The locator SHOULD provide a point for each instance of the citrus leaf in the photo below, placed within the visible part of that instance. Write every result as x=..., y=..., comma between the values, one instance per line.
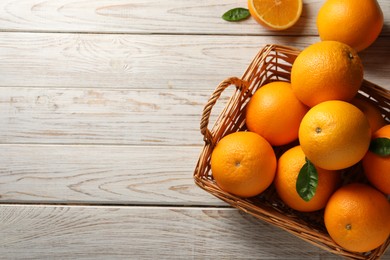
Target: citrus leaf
x=380, y=146
x=236, y=14
x=307, y=181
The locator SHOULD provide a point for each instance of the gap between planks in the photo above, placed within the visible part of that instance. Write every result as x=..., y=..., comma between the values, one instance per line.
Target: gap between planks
x=116, y=205
x=275, y=34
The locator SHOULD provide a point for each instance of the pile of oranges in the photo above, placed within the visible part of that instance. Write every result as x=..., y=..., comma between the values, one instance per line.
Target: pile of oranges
x=328, y=128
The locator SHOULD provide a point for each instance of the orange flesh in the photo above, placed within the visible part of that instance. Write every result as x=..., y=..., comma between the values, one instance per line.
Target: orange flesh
x=277, y=12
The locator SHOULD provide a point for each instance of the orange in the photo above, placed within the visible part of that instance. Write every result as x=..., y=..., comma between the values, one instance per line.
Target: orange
x=334, y=135
x=276, y=15
x=356, y=23
x=377, y=168
x=275, y=113
x=357, y=217
x=243, y=163
x=327, y=70
x=289, y=165
x=372, y=113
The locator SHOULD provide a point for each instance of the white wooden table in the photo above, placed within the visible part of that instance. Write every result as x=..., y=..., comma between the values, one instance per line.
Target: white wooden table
x=100, y=104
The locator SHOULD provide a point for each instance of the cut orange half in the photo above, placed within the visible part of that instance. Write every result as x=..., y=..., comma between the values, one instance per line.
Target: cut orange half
x=275, y=14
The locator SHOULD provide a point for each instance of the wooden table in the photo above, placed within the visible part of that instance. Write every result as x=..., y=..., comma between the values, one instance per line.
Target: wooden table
x=100, y=104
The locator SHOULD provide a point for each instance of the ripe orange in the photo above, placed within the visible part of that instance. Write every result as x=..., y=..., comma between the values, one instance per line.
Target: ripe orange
x=327, y=70
x=377, y=168
x=372, y=113
x=334, y=135
x=275, y=113
x=289, y=165
x=356, y=23
x=243, y=163
x=357, y=217
x=276, y=15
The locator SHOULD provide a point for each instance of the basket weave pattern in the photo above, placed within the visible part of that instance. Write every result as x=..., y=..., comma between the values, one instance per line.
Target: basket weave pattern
x=273, y=63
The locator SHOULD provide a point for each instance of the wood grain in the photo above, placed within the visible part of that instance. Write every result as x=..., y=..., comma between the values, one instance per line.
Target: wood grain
x=146, y=16
x=102, y=116
x=125, y=61
x=68, y=232
x=146, y=61
x=120, y=174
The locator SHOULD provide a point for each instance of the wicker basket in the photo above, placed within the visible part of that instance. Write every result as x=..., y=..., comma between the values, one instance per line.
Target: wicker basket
x=272, y=63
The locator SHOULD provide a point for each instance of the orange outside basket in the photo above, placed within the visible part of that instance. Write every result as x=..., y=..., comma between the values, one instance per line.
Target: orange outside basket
x=272, y=63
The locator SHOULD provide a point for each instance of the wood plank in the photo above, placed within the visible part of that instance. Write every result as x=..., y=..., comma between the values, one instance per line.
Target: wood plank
x=102, y=116
x=69, y=232
x=101, y=174
x=146, y=16
x=124, y=61
x=146, y=61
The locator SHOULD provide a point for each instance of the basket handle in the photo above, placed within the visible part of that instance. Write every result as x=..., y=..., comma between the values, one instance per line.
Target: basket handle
x=238, y=83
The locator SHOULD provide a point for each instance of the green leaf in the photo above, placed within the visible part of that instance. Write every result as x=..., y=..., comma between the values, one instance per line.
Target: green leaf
x=307, y=181
x=380, y=146
x=236, y=14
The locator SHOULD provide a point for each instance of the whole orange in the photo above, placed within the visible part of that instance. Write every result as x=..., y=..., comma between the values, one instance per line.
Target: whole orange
x=243, y=163
x=334, y=135
x=289, y=165
x=327, y=70
x=354, y=22
x=372, y=113
x=377, y=168
x=357, y=217
x=275, y=113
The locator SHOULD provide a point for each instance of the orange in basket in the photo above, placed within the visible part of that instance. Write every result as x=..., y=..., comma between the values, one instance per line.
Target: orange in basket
x=334, y=135
x=376, y=167
x=289, y=165
x=275, y=113
x=273, y=63
x=372, y=113
x=326, y=70
x=243, y=163
x=357, y=217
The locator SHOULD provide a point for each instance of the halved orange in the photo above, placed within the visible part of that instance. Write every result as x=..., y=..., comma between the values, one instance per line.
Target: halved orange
x=275, y=14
